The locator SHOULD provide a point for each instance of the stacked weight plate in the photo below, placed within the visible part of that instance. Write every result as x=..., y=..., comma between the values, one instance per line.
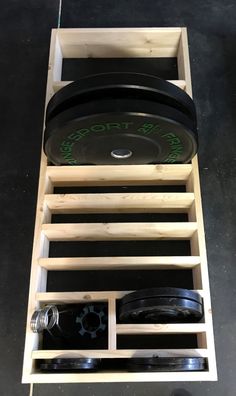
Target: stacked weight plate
x=161, y=305
x=152, y=364
x=120, y=118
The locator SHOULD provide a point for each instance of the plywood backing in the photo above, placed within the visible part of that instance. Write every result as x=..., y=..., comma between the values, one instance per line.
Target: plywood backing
x=135, y=42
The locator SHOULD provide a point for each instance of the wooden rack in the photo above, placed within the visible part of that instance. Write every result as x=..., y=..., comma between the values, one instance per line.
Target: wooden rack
x=133, y=42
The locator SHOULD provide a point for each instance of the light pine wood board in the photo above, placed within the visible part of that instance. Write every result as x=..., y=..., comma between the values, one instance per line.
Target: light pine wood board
x=119, y=263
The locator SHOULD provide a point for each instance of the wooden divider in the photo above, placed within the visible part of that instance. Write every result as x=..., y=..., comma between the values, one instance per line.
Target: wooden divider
x=119, y=203
x=115, y=43
x=122, y=175
x=118, y=231
x=119, y=263
x=135, y=42
x=119, y=353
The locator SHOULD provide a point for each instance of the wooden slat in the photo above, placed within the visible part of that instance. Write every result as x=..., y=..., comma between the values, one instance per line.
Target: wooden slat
x=118, y=231
x=113, y=377
x=161, y=328
x=120, y=203
x=124, y=43
x=118, y=175
x=119, y=353
x=75, y=297
x=118, y=263
x=57, y=85
x=86, y=296
x=78, y=50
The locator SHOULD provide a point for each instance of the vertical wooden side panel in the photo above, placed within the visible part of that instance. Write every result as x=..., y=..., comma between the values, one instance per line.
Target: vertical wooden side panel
x=201, y=275
x=198, y=245
x=38, y=277
x=183, y=61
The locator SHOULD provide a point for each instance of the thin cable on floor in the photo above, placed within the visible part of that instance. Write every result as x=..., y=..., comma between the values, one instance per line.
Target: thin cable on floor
x=59, y=14
x=31, y=389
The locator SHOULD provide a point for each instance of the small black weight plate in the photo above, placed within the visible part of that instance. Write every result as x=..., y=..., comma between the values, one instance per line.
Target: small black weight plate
x=72, y=364
x=92, y=321
x=120, y=132
x=161, y=310
x=166, y=364
x=115, y=85
x=162, y=292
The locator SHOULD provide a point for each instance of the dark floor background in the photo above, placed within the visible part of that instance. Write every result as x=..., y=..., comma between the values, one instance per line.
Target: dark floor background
x=24, y=42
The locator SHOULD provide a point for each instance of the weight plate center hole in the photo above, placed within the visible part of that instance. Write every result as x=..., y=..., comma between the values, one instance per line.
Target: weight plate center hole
x=121, y=153
x=91, y=322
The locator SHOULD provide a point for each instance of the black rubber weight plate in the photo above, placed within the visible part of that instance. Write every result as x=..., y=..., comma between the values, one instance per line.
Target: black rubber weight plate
x=162, y=292
x=70, y=364
x=114, y=85
x=166, y=364
x=119, y=132
x=161, y=310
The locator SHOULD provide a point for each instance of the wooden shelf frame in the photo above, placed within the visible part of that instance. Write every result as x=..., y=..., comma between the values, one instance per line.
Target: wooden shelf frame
x=116, y=42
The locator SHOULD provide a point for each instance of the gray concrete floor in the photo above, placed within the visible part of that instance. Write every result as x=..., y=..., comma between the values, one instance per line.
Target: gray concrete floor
x=24, y=41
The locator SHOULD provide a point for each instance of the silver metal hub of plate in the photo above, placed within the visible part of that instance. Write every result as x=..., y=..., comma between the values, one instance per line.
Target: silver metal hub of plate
x=44, y=318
